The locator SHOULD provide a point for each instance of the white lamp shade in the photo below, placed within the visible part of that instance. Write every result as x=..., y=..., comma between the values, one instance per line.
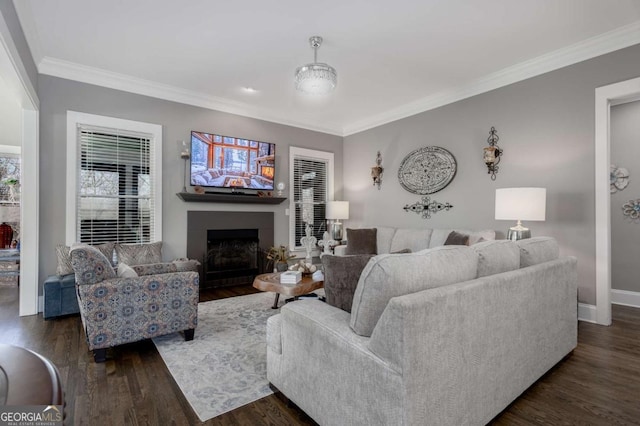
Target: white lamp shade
x=337, y=210
x=521, y=203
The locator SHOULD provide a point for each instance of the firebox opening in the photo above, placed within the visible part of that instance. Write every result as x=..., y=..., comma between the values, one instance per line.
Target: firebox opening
x=232, y=257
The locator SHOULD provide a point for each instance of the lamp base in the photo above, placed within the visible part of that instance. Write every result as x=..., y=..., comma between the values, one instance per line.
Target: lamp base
x=336, y=231
x=518, y=232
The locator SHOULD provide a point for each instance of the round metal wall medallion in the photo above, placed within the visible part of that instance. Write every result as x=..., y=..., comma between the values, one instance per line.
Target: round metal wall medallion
x=427, y=170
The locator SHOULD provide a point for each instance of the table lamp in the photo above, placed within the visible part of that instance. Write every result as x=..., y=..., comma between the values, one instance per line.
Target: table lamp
x=337, y=210
x=520, y=204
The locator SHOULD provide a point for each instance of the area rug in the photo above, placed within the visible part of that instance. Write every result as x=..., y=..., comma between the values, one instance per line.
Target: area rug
x=225, y=366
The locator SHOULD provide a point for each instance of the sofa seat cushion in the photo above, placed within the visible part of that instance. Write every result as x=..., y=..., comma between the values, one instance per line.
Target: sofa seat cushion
x=341, y=275
x=495, y=257
x=391, y=275
x=537, y=250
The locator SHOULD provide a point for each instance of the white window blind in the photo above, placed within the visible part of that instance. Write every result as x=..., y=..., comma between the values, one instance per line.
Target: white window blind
x=311, y=188
x=116, y=177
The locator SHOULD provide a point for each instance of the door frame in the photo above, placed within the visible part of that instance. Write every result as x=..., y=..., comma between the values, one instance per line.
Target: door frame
x=606, y=96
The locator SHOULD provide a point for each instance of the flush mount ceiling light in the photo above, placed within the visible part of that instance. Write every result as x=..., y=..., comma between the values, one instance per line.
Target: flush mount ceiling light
x=316, y=78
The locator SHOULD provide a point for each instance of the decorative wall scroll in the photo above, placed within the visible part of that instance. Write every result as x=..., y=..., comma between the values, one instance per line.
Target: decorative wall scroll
x=425, y=207
x=618, y=178
x=631, y=209
x=427, y=170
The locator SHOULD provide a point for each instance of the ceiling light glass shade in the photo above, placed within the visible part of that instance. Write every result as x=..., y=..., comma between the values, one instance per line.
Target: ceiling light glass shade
x=316, y=78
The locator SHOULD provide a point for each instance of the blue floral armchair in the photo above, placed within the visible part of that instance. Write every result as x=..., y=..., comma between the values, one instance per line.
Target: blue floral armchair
x=123, y=310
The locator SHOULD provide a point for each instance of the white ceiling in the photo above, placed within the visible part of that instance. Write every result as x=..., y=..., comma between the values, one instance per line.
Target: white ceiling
x=394, y=58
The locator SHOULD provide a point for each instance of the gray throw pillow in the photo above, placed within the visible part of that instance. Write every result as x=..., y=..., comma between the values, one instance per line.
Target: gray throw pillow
x=457, y=239
x=362, y=241
x=341, y=275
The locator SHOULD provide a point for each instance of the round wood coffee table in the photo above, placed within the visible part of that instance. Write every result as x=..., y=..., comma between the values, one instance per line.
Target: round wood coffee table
x=271, y=282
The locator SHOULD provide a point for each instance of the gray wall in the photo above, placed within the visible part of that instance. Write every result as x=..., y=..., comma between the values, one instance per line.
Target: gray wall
x=546, y=128
x=10, y=16
x=59, y=95
x=625, y=233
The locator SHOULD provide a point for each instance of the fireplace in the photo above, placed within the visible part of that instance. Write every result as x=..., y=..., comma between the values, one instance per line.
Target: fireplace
x=230, y=245
x=232, y=257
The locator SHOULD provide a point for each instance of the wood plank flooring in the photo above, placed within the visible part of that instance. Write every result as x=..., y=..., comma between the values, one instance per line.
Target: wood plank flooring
x=599, y=384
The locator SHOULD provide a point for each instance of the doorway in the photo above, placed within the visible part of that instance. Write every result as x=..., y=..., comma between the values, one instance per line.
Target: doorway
x=606, y=96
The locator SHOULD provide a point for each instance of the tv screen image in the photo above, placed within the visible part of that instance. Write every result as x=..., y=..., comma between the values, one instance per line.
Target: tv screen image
x=228, y=162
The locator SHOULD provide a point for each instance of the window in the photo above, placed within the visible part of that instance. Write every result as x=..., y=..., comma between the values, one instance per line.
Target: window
x=311, y=186
x=9, y=173
x=113, y=180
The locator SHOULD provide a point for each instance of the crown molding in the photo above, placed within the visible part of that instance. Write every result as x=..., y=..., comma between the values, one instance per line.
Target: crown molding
x=605, y=43
x=590, y=48
x=99, y=77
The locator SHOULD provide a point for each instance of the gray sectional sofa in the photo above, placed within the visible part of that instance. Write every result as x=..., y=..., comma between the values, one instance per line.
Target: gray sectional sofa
x=444, y=336
x=390, y=239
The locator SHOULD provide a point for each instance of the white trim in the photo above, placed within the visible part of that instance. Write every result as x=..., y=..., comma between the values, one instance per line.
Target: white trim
x=625, y=297
x=74, y=119
x=586, y=313
x=625, y=91
x=29, y=212
x=312, y=154
x=16, y=78
x=85, y=74
x=599, y=45
x=10, y=149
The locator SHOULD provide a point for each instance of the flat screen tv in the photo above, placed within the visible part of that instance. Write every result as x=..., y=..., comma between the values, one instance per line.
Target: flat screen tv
x=219, y=161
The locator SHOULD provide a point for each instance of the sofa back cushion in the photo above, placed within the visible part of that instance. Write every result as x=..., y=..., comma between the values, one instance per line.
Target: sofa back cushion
x=90, y=265
x=412, y=239
x=495, y=257
x=362, y=241
x=439, y=236
x=391, y=275
x=537, y=250
x=384, y=238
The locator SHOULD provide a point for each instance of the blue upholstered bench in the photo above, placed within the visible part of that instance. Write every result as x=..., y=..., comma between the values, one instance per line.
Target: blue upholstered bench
x=60, y=296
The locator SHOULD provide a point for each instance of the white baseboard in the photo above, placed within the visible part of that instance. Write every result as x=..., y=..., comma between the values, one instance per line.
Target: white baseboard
x=586, y=312
x=626, y=298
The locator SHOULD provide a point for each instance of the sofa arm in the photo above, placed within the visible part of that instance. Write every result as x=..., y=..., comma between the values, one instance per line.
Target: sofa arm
x=340, y=250
x=324, y=362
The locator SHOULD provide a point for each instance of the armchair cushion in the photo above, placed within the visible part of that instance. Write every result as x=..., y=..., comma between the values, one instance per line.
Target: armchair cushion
x=63, y=256
x=125, y=271
x=139, y=254
x=90, y=265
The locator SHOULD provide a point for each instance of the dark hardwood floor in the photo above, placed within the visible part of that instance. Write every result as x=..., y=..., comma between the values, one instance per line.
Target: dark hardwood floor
x=599, y=384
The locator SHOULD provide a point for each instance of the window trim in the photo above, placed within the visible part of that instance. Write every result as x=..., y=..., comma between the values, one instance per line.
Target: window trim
x=310, y=154
x=76, y=119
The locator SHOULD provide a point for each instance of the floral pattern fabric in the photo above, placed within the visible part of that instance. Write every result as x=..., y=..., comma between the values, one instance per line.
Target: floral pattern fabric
x=123, y=310
x=155, y=268
x=90, y=265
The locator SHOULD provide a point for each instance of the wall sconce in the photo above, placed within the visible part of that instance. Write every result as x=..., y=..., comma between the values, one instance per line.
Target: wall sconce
x=492, y=153
x=377, y=170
